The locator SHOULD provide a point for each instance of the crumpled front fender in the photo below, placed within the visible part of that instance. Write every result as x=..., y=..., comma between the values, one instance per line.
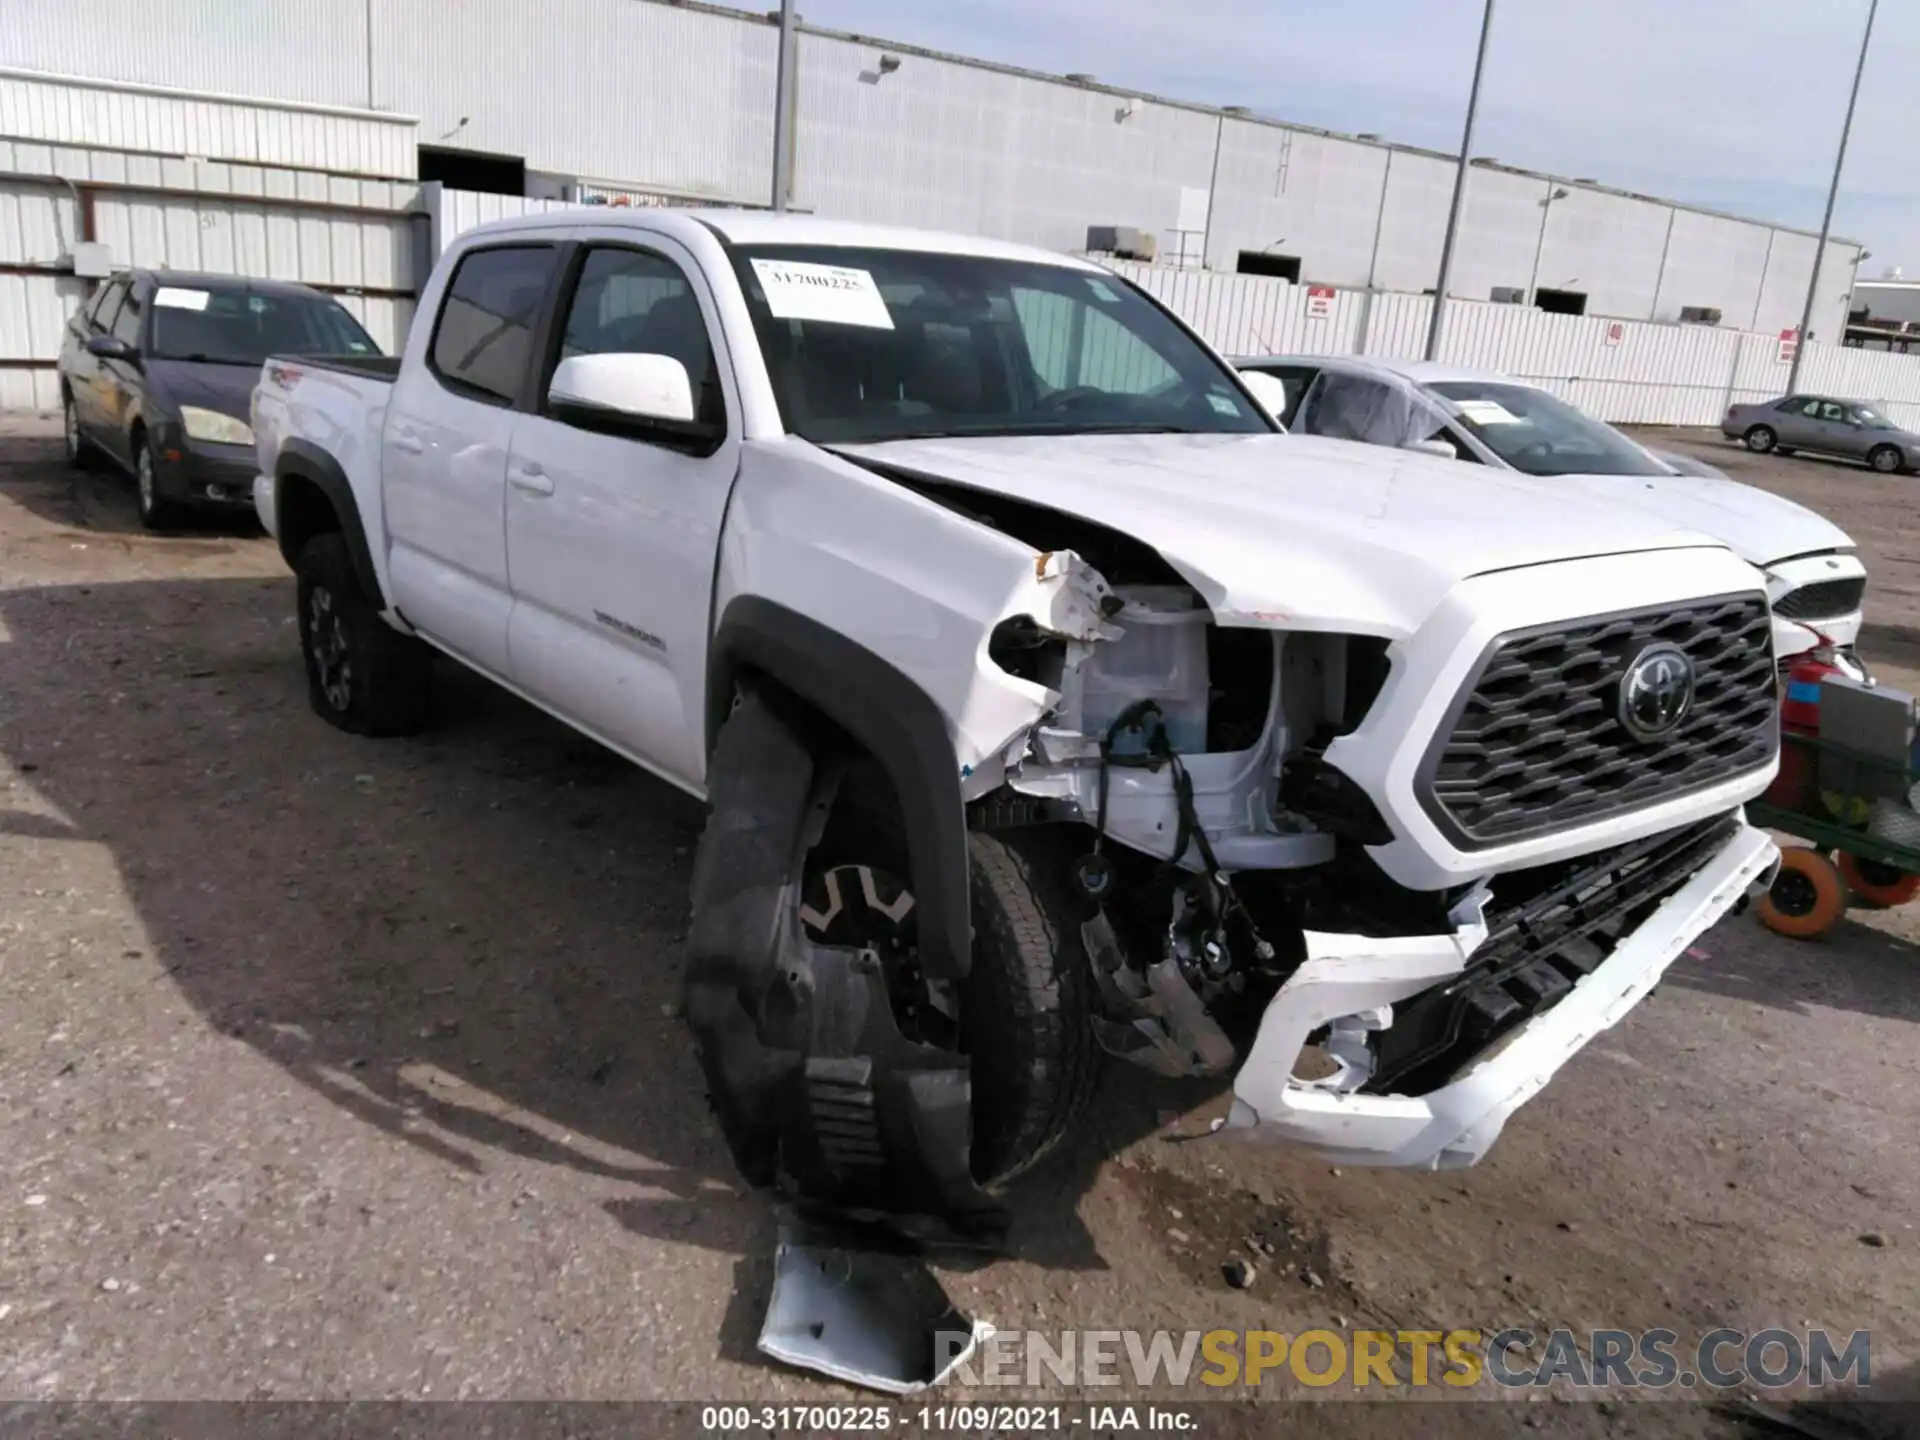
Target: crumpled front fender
x=815, y=1087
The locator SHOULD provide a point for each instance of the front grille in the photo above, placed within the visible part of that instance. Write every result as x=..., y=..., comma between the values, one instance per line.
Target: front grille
x=1823, y=599
x=1534, y=744
x=1547, y=929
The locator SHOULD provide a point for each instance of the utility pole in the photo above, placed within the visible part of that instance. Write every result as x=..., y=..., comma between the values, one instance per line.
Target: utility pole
x=1833, y=193
x=783, y=107
x=1459, y=193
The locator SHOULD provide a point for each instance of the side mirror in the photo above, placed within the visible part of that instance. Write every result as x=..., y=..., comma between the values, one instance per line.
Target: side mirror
x=1445, y=449
x=644, y=388
x=108, y=347
x=1268, y=390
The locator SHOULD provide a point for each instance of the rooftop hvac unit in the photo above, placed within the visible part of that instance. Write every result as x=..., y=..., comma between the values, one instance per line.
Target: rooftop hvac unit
x=1121, y=240
x=1509, y=295
x=1699, y=314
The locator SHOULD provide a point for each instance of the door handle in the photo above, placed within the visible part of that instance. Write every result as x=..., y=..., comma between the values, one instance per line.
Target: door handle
x=408, y=443
x=531, y=479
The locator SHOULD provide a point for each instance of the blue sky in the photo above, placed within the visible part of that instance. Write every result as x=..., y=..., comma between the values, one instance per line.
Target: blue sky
x=1734, y=104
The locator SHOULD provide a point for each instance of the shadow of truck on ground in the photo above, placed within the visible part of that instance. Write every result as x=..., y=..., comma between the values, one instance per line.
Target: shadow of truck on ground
x=471, y=940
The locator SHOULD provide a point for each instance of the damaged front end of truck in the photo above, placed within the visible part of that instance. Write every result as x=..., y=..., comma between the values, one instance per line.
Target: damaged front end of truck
x=1388, y=877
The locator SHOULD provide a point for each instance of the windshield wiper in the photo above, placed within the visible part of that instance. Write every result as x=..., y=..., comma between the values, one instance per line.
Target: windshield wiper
x=200, y=357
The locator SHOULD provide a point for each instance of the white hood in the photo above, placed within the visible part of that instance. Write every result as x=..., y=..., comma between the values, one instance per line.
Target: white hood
x=1293, y=531
x=1757, y=526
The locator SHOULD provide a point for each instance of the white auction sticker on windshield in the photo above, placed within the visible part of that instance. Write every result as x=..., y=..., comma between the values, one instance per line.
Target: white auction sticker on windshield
x=179, y=299
x=836, y=294
x=1488, y=412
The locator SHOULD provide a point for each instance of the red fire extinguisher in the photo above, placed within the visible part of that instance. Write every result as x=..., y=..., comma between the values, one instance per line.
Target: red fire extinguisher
x=1795, y=788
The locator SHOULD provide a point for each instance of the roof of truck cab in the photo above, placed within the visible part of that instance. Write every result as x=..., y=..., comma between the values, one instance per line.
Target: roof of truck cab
x=764, y=227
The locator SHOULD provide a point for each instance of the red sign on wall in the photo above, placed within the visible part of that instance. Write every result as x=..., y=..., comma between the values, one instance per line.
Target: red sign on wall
x=1789, y=344
x=1319, y=302
x=1615, y=332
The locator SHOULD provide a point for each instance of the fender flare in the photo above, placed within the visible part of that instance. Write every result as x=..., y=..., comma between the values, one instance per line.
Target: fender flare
x=897, y=722
x=307, y=461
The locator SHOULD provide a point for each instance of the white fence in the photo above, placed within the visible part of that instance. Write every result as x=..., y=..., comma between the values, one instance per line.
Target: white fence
x=1626, y=371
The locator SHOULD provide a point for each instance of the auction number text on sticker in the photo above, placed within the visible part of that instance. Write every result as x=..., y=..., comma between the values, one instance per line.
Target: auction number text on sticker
x=836, y=294
x=179, y=299
x=1487, y=412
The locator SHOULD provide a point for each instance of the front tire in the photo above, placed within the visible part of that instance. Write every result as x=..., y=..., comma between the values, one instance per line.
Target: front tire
x=363, y=676
x=81, y=454
x=157, y=513
x=1885, y=459
x=1760, y=439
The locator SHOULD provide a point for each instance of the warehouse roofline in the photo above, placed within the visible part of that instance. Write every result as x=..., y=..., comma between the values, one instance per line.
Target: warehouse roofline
x=223, y=97
x=1232, y=113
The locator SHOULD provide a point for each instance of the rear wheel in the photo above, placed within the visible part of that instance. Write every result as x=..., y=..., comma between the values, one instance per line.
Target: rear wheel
x=1807, y=898
x=1022, y=1012
x=363, y=676
x=1760, y=439
x=1886, y=459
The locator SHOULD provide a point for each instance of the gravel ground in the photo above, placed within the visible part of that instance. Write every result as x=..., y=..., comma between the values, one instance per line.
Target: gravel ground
x=334, y=1068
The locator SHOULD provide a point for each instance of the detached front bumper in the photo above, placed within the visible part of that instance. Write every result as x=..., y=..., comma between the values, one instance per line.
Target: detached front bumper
x=1454, y=1125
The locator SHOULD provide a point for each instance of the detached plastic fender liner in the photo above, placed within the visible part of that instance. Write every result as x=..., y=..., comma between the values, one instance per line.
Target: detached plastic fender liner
x=900, y=726
x=306, y=461
x=815, y=1087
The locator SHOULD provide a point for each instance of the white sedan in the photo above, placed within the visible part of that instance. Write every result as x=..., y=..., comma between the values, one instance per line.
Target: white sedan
x=1814, y=578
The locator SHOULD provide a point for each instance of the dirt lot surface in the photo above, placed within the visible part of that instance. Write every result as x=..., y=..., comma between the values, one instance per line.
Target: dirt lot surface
x=341, y=1068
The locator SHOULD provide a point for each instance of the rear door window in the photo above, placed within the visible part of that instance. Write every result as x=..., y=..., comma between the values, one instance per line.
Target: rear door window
x=483, y=339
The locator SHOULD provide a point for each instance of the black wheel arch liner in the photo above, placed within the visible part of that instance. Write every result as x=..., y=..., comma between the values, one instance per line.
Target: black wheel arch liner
x=305, y=460
x=899, y=725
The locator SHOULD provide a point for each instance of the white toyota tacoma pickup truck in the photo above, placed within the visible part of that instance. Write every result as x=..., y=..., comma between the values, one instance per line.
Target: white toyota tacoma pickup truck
x=1052, y=704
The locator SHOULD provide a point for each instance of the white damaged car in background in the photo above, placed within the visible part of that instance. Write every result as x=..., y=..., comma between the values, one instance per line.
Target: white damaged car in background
x=1048, y=701
x=1815, y=581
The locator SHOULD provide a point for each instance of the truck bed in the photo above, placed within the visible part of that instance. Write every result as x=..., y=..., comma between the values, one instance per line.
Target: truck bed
x=384, y=368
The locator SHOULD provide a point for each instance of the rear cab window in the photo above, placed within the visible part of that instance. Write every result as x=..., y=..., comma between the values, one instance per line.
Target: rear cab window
x=483, y=337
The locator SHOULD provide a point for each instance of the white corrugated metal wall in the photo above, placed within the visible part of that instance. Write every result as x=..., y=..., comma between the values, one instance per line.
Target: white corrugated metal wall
x=350, y=236
x=679, y=96
x=66, y=110
x=1624, y=371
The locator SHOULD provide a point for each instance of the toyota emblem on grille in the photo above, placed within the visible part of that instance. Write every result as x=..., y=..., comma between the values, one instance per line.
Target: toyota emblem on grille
x=1656, y=692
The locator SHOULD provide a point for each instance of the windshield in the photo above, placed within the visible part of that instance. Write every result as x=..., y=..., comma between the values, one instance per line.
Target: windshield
x=1535, y=433
x=867, y=345
x=243, y=327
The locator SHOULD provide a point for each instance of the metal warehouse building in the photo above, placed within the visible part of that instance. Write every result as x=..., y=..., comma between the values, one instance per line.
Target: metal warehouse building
x=344, y=104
